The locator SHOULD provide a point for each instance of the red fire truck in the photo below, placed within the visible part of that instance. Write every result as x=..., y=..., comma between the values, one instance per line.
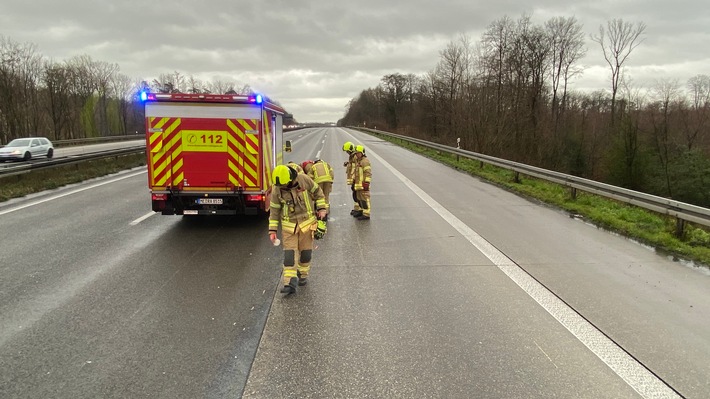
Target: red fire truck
x=211, y=154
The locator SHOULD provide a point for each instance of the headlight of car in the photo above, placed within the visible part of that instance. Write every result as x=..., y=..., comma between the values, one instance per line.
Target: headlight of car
x=16, y=152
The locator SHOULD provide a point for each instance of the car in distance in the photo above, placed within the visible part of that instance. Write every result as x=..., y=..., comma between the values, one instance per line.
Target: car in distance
x=27, y=148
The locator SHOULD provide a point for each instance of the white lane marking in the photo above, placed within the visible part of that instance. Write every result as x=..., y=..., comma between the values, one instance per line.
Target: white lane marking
x=142, y=218
x=629, y=369
x=321, y=147
x=69, y=193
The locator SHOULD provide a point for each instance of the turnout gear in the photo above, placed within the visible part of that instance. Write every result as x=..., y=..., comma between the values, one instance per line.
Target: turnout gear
x=321, y=173
x=350, y=166
x=305, y=164
x=361, y=183
x=295, y=206
x=295, y=166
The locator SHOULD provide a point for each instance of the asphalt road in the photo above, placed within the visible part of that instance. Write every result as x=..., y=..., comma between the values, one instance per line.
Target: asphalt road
x=455, y=288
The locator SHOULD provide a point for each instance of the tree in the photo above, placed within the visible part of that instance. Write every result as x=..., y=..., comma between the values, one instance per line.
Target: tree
x=567, y=47
x=617, y=41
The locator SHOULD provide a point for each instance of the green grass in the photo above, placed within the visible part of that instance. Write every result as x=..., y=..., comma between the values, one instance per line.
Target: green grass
x=47, y=179
x=650, y=228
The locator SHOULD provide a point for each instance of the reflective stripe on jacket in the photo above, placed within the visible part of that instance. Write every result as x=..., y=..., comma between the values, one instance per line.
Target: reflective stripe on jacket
x=321, y=172
x=350, y=169
x=363, y=173
x=294, y=206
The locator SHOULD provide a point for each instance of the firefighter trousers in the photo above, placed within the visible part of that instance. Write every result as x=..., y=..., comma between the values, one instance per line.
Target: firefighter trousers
x=363, y=199
x=327, y=187
x=298, y=248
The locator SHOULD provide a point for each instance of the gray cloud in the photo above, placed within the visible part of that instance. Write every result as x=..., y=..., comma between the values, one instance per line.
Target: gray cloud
x=314, y=56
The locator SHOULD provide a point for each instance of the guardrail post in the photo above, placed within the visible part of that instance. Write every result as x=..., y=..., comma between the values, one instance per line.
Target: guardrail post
x=679, y=227
x=516, y=178
x=573, y=192
x=458, y=147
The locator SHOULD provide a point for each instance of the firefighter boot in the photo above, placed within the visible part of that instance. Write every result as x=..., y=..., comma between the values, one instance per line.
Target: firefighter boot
x=356, y=214
x=302, y=280
x=291, y=287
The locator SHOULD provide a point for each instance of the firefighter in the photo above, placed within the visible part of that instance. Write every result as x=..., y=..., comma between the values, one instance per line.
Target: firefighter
x=296, y=166
x=292, y=205
x=349, y=148
x=322, y=173
x=362, y=176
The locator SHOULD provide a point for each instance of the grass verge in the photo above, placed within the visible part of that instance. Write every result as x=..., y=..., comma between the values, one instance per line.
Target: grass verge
x=47, y=179
x=647, y=227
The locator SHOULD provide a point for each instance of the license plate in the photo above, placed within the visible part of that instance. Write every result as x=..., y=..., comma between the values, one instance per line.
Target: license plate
x=209, y=201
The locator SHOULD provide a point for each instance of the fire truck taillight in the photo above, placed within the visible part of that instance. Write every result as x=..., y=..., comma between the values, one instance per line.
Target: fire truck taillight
x=254, y=197
x=159, y=197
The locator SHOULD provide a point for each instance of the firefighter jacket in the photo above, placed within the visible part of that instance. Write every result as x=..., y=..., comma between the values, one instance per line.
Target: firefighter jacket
x=295, y=206
x=321, y=172
x=296, y=166
x=362, y=173
x=350, y=169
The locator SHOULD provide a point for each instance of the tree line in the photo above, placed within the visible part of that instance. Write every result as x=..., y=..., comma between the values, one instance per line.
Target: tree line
x=80, y=97
x=508, y=95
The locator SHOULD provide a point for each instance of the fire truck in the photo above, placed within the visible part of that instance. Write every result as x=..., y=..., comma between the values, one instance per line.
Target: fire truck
x=212, y=154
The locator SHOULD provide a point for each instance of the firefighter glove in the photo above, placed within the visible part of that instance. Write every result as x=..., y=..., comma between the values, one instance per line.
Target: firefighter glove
x=320, y=230
x=366, y=186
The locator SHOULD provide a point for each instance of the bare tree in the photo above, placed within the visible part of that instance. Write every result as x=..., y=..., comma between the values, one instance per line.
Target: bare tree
x=665, y=93
x=567, y=47
x=617, y=41
x=697, y=120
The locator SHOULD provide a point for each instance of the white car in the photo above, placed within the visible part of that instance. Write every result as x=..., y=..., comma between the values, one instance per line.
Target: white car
x=27, y=148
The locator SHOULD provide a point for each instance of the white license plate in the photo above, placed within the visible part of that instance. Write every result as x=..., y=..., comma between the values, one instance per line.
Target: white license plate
x=210, y=201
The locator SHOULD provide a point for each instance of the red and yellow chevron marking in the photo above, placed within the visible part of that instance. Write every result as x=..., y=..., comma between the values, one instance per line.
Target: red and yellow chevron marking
x=268, y=151
x=171, y=161
x=243, y=149
x=165, y=151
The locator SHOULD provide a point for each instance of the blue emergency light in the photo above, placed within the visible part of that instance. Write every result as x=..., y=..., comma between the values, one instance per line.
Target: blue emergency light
x=259, y=99
x=144, y=96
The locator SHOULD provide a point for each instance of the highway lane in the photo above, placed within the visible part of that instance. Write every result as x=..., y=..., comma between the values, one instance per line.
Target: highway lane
x=95, y=306
x=413, y=310
x=122, y=304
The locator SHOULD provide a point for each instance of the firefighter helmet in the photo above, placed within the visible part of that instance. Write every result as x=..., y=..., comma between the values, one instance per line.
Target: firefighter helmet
x=348, y=147
x=283, y=175
x=360, y=148
x=306, y=163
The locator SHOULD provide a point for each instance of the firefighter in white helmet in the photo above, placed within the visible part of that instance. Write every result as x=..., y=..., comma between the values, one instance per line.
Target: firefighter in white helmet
x=298, y=204
x=362, y=177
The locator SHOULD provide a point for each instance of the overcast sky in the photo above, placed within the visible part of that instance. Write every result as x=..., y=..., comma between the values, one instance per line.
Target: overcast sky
x=314, y=56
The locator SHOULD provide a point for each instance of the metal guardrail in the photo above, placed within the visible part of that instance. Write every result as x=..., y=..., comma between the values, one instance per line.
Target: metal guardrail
x=680, y=210
x=27, y=168
x=94, y=140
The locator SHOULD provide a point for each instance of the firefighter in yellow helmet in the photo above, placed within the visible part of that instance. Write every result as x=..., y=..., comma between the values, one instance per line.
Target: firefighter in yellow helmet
x=350, y=165
x=322, y=173
x=362, y=177
x=298, y=204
